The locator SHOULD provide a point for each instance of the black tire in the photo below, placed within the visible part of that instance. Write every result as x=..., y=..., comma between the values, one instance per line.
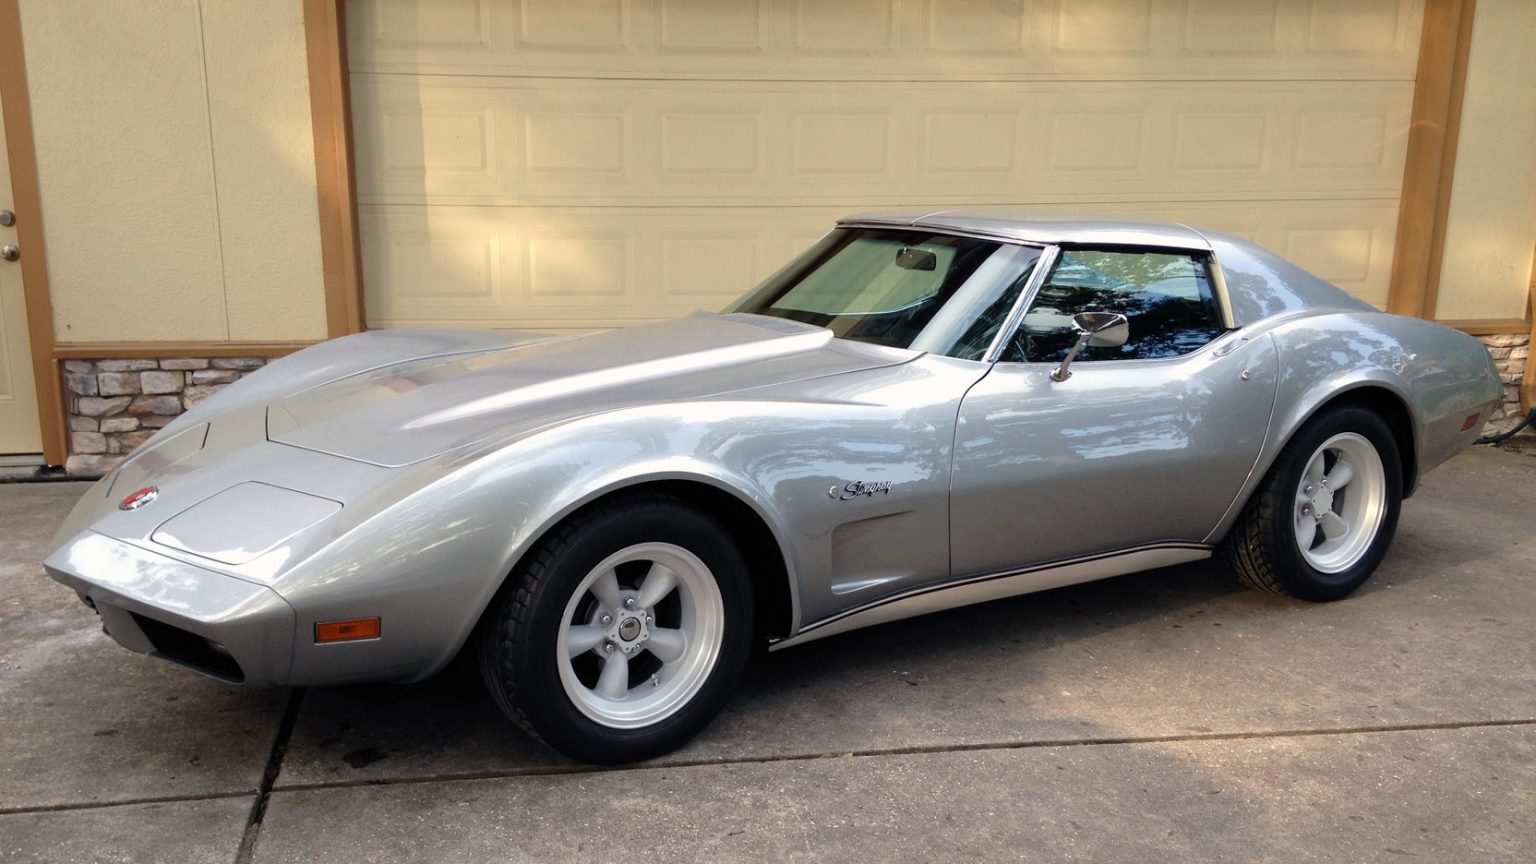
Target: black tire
x=518, y=637
x=1262, y=546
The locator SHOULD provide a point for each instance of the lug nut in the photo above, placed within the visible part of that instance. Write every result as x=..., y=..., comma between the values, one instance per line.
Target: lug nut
x=629, y=602
x=608, y=647
x=606, y=619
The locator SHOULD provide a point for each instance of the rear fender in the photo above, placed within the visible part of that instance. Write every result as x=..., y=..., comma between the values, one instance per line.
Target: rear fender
x=1440, y=377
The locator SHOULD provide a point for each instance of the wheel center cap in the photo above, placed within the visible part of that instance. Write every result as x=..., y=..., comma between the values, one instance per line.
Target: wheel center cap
x=1323, y=501
x=629, y=629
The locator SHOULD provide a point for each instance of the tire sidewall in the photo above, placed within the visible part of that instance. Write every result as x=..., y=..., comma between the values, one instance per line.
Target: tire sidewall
x=542, y=697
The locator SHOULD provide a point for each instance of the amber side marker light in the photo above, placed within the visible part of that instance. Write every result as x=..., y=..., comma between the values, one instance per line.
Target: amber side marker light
x=1469, y=422
x=346, y=631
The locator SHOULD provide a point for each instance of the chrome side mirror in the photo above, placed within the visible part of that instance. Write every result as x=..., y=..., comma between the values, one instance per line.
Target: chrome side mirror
x=1095, y=330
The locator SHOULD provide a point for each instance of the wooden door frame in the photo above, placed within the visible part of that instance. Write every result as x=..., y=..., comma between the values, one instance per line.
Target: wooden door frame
x=330, y=105
x=1439, y=87
x=27, y=205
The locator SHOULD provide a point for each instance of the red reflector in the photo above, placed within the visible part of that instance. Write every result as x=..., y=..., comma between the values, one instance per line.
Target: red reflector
x=343, y=631
x=1469, y=422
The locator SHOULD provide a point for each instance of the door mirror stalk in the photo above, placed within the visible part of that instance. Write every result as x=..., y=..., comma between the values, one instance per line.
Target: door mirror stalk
x=1095, y=330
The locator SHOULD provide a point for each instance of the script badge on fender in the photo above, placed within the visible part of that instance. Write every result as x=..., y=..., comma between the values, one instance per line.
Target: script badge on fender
x=139, y=498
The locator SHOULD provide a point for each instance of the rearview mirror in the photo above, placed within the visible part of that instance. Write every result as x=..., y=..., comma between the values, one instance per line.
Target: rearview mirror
x=1095, y=330
x=908, y=258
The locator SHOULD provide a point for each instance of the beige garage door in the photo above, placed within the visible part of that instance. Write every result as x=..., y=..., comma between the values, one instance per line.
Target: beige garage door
x=571, y=164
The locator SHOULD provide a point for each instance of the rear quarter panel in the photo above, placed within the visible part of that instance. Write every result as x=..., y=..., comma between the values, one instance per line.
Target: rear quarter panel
x=1440, y=375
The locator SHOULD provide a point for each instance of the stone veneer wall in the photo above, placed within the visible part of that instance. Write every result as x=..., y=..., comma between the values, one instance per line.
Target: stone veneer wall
x=1509, y=354
x=113, y=406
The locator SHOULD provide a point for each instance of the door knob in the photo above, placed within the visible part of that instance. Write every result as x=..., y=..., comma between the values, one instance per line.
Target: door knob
x=9, y=252
x=7, y=218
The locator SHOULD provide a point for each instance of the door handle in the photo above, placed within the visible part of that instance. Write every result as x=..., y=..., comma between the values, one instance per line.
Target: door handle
x=1231, y=346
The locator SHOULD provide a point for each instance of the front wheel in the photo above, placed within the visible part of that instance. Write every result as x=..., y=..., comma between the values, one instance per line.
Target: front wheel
x=1325, y=514
x=625, y=632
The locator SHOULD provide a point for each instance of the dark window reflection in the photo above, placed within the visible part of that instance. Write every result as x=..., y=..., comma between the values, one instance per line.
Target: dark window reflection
x=1166, y=297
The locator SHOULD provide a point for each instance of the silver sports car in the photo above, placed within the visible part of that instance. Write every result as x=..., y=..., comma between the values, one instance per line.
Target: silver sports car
x=921, y=411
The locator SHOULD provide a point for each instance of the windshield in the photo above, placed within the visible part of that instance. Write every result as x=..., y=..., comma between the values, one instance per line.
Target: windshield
x=901, y=288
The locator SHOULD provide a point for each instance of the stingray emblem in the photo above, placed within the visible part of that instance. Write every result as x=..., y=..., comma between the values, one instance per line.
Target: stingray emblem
x=139, y=498
x=860, y=488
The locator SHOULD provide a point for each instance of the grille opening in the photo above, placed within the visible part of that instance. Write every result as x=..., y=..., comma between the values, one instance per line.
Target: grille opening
x=190, y=650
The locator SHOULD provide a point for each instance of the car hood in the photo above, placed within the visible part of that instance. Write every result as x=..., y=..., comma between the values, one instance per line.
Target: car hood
x=406, y=412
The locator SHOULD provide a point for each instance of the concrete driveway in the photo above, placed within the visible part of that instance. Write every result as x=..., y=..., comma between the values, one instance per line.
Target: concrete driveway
x=1169, y=715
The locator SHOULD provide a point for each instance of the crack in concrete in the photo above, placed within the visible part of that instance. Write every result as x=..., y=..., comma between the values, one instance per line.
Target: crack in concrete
x=124, y=802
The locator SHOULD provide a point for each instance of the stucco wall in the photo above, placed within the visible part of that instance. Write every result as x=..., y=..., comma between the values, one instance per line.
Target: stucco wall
x=176, y=165
x=1491, y=232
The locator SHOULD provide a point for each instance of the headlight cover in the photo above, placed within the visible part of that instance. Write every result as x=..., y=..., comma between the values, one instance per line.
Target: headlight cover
x=244, y=522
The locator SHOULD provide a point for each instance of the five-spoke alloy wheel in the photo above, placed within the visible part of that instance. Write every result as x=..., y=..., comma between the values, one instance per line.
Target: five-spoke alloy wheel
x=635, y=648
x=1340, y=502
x=623, y=632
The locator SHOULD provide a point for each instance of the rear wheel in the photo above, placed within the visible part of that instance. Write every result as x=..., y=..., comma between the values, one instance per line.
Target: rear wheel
x=1325, y=514
x=625, y=632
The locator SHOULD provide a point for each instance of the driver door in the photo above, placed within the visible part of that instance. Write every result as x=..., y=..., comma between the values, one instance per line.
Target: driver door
x=1143, y=444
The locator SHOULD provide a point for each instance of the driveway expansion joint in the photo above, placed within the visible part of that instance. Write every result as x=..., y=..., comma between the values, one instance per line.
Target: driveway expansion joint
x=269, y=777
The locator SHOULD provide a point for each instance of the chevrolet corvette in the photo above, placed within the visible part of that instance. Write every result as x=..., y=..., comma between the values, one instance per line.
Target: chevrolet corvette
x=922, y=411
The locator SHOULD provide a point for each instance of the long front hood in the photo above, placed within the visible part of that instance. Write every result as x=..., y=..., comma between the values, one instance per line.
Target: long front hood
x=414, y=410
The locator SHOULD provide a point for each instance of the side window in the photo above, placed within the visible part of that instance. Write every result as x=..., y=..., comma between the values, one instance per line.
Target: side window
x=1166, y=297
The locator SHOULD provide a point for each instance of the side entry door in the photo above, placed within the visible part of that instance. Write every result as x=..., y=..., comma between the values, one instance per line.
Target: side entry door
x=1142, y=444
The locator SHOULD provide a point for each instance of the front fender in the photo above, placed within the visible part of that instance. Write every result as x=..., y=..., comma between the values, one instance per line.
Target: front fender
x=431, y=555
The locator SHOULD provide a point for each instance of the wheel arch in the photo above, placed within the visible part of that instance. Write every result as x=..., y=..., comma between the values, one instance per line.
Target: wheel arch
x=1391, y=407
x=1374, y=394
x=776, y=601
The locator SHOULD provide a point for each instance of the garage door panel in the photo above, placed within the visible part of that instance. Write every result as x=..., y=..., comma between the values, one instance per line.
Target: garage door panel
x=581, y=268
x=430, y=259
x=1365, y=27
x=570, y=268
x=711, y=26
x=446, y=26
x=711, y=143
x=897, y=39
x=512, y=142
x=430, y=146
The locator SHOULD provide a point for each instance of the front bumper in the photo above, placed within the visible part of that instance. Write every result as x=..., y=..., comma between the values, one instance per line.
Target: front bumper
x=228, y=628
